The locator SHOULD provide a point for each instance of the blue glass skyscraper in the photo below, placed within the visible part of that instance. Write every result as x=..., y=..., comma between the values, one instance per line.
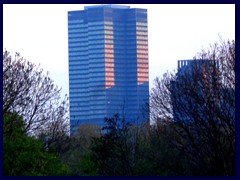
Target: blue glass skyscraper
x=108, y=63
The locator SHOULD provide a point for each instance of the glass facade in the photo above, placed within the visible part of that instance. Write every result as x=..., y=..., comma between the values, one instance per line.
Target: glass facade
x=108, y=63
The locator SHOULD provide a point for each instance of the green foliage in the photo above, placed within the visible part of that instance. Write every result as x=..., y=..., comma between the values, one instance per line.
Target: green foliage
x=24, y=155
x=87, y=166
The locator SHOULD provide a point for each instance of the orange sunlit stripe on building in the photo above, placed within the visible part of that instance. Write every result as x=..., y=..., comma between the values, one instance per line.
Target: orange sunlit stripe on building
x=108, y=46
x=141, y=70
x=109, y=62
x=142, y=47
x=142, y=63
x=109, y=65
x=107, y=55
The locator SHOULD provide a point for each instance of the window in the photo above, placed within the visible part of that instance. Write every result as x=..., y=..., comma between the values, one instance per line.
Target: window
x=141, y=42
x=108, y=32
x=109, y=64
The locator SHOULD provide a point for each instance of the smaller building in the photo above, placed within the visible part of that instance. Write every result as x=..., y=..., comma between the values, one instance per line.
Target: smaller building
x=194, y=79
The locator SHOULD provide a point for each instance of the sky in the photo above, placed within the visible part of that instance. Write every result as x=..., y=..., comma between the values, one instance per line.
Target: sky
x=175, y=32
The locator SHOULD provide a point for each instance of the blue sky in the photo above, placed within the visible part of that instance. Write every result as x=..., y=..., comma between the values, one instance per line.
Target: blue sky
x=175, y=32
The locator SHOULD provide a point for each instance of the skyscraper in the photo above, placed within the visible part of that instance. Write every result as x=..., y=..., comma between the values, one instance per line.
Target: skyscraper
x=108, y=63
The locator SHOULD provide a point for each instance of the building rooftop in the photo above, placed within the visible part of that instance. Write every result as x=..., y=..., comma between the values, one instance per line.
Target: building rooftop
x=107, y=5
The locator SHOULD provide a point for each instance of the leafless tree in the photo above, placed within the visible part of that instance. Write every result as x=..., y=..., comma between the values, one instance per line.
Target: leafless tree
x=33, y=95
x=200, y=100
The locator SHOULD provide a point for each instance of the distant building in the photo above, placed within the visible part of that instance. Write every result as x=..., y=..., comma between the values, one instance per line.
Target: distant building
x=108, y=63
x=193, y=78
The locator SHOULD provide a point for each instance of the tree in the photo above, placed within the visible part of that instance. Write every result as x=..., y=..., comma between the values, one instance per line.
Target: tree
x=32, y=95
x=75, y=151
x=200, y=101
x=24, y=155
x=112, y=151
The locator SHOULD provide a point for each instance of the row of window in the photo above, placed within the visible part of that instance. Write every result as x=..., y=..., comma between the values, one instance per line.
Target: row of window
x=85, y=96
x=88, y=113
x=95, y=32
x=89, y=91
x=78, y=108
x=142, y=79
x=96, y=37
x=142, y=37
x=70, y=40
x=81, y=103
x=109, y=60
x=76, y=97
x=73, y=72
x=141, y=61
x=110, y=46
x=75, y=79
x=109, y=69
x=105, y=28
x=85, y=100
x=90, y=49
x=142, y=65
x=109, y=65
x=142, y=47
x=109, y=84
x=109, y=50
x=86, y=74
x=142, y=56
x=108, y=41
x=108, y=32
x=100, y=23
x=76, y=45
x=98, y=66
x=79, y=38
x=79, y=30
x=98, y=41
x=142, y=33
x=141, y=23
x=82, y=90
x=82, y=36
x=141, y=42
x=75, y=21
x=96, y=82
x=72, y=26
x=142, y=74
x=108, y=79
x=108, y=55
x=78, y=58
x=83, y=48
x=108, y=27
x=142, y=51
x=108, y=37
x=90, y=28
x=141, y=28
x=100, y=55
x=77, y=85
x=71, y=23
x=109, y=74
x=78, y=53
